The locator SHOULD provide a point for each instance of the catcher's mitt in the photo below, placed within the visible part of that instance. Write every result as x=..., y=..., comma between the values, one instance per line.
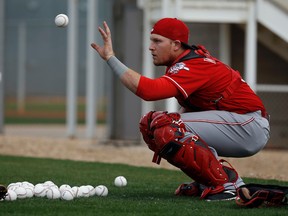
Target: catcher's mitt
x=256, y=195
x=3, y=192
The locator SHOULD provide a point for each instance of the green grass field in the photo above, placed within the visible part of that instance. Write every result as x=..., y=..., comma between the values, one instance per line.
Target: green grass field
x=149, y=190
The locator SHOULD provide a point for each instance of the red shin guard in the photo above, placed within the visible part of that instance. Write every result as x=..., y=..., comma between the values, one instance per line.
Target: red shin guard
x=200, y=164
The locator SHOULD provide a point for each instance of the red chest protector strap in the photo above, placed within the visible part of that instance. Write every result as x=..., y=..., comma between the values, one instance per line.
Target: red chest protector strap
x=235, y=83
x=236, y=80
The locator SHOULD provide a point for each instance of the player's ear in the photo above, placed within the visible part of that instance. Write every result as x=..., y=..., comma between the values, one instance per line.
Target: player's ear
x=177, y=44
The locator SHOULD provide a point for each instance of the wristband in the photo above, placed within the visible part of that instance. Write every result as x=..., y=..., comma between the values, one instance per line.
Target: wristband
x=117, y=66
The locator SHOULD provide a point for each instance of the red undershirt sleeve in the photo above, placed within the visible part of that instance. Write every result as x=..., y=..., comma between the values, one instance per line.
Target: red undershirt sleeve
x=156, y=89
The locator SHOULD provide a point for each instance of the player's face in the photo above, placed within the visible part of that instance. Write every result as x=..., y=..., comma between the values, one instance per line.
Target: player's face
x=161, y=49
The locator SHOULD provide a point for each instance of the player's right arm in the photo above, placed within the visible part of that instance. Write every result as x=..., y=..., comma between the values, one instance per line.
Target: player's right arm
x=147, y=89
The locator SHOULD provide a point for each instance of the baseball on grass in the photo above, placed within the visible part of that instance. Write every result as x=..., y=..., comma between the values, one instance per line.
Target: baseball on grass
x=21, y=192
x=11, y=195
x=61, y=20
x=120, y=181
x=53, y=193
x=101, y=190
x=67, y=195
x=39, y=190
x=84, y=191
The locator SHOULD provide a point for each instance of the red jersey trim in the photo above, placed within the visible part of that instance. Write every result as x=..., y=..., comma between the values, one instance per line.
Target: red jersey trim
x=177, y=85
x=221, y=122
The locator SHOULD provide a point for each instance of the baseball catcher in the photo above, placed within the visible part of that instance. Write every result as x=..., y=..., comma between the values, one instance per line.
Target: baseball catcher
x=219, y=115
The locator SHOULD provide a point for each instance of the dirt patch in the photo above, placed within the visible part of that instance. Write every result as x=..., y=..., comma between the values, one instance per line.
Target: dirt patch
x=20, y=141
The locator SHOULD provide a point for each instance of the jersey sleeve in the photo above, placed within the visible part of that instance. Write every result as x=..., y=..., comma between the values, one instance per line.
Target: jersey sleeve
x=187, y=80
x=156, y=89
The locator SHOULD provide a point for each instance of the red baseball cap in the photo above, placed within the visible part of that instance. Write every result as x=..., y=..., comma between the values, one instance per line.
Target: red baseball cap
x=171, y=28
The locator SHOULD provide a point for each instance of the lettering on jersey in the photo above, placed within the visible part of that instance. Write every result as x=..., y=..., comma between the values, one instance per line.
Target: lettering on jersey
x=178, y=66
x=210, y=60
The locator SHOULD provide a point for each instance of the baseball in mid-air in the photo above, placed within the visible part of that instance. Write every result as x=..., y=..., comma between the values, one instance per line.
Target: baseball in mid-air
x=120, y=181
x=61, y=20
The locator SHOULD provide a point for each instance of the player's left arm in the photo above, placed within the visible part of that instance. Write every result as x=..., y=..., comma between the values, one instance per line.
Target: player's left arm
x=128, y=77
x=147, y=89
x=156, y=89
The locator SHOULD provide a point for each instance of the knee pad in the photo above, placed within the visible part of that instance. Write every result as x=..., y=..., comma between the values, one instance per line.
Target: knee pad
x=167, y=127
x=145, y=128
x=159, y=128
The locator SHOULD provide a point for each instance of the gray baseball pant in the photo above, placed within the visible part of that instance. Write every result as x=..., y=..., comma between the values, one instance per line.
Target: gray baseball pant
x=230, y=134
